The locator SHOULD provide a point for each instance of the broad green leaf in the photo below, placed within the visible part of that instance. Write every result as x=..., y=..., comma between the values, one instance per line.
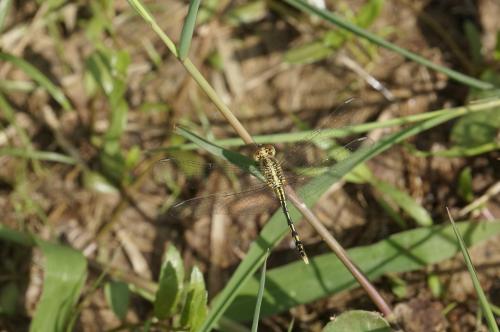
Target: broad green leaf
x=170, y=284
x=358, y=321
x=406, y=251
x=118, y=297
x=476, y=129
x=195, y=306
x=65, y=271
x=276, y=227
x=405, y=201
x=38, y=77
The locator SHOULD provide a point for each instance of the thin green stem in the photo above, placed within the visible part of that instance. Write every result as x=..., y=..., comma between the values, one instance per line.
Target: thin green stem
x=195, y=74
x=334, y=19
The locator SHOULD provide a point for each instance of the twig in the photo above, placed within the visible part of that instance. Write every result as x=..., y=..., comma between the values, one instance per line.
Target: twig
x=340, y=252
x=491, y=192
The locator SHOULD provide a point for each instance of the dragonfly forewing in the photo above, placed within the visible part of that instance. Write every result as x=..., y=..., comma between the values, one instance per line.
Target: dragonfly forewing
x=251, y=201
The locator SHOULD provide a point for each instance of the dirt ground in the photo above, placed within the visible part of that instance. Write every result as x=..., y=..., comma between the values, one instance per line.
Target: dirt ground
x=131, y=228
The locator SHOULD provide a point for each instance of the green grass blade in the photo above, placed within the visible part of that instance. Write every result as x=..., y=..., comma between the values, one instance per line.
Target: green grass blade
x=402, y=252
x=37, y=155
x=5, y=6
x=347, y=131
x=146, y=15
x=483, y=301
x=404, y=201
x=188, y=29
x=276, y=227
x=65, y=271
x=38, y=77
x=334, y=19
x=262, y=286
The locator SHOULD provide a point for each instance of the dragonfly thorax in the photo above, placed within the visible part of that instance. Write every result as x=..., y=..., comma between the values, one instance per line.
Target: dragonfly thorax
x=269, y=166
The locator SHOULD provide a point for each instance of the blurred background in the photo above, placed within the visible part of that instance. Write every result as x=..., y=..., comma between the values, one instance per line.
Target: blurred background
x=90, y=95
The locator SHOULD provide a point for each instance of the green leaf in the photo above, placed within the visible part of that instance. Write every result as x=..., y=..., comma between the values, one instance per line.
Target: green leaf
x=369, y=12
x=276, y=228
x=118, y=297
x=40, y=78
x=476, y=129
x=398, y=286
x=358, y=321
x=465, y=185
x=195, y=306
x=405, y=201
x=65, y=271
x=402, y=252
x=170, y=284
x=435, y=285
x=188, y=29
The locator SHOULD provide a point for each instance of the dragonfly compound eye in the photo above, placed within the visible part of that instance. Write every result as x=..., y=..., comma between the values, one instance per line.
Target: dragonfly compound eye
x=264, y=151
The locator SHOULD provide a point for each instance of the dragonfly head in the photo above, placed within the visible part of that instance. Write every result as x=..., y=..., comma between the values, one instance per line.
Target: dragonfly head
x=264, y=151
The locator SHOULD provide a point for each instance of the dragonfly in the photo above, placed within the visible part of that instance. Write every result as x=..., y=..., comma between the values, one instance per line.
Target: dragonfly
x=277, y=173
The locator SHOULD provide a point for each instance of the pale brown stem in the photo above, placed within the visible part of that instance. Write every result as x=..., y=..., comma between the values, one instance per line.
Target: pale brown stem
x=340, y=252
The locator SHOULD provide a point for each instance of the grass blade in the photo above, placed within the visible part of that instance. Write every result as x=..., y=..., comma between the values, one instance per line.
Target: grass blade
x=334, y=19
x=346, y=131
x=402, y=252
x=262, y=284
x=276, y=228
x=37, y=155
x=404, y=201
x=40, y=78
x=188, y=29
x=483, y=301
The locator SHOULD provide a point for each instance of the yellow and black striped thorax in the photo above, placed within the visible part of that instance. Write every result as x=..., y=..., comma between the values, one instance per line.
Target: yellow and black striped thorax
x=269, y=166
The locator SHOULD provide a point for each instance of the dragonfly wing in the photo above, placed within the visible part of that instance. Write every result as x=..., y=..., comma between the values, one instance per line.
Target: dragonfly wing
x=197, y=168
x=250, y=201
